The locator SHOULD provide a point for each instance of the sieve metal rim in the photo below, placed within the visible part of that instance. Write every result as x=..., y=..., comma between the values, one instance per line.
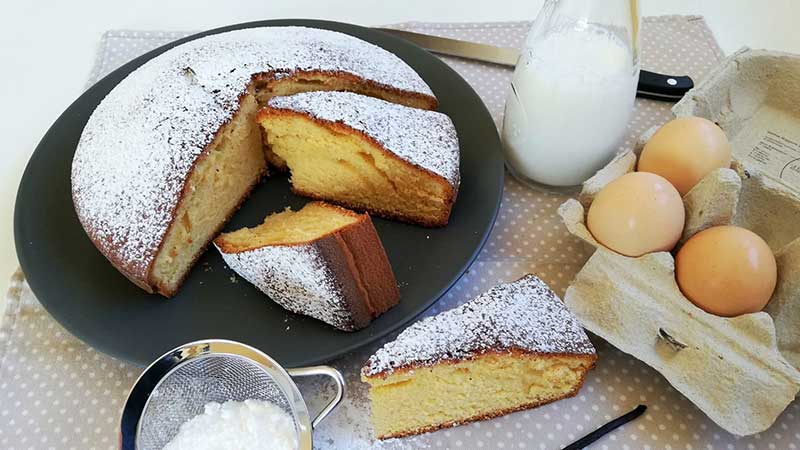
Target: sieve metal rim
x=151, y=378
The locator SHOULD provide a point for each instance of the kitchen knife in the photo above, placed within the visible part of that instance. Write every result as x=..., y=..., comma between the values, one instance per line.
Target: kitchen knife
x=651, y=85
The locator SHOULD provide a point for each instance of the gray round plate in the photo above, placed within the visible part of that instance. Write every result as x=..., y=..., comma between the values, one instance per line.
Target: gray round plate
x=97, y=304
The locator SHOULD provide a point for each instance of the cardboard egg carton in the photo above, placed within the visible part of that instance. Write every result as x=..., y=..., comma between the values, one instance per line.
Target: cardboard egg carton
x=743, y=371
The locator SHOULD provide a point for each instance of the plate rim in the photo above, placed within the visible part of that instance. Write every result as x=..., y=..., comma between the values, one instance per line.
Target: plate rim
x=27, y=177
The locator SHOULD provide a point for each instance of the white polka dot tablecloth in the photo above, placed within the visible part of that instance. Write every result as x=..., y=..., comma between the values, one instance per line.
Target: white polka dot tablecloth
x=56, y=392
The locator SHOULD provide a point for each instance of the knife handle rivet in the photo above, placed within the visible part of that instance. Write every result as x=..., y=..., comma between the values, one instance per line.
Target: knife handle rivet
x=672, y=81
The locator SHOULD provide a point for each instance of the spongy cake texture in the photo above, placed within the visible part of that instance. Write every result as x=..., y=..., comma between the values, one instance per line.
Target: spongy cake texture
x=365, y=153
x=513, y=347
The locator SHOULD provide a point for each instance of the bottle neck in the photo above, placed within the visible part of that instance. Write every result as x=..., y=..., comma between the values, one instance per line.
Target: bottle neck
x=620, y=17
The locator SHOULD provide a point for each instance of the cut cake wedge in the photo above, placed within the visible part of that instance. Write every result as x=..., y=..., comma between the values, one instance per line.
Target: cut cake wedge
x=511, y=348
x=322, y=261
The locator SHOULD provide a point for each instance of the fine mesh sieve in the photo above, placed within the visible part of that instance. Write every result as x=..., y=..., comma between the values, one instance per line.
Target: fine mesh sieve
x=177, y=386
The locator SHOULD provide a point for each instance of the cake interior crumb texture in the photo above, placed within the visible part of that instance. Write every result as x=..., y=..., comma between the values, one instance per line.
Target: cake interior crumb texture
x=221, y=179
x=392, y=160
x=513, y=347
x=289, y=227
x=488, y=385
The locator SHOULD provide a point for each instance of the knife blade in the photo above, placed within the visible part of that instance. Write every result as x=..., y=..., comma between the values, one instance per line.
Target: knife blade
x=651, y=84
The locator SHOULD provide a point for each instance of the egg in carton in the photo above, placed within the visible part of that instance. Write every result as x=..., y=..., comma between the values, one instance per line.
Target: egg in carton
x=743, y=371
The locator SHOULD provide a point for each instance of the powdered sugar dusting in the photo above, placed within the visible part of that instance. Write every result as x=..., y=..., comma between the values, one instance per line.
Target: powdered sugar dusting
x=525, y=314
x=296, y=277
x=426, y=139
x=141, y=142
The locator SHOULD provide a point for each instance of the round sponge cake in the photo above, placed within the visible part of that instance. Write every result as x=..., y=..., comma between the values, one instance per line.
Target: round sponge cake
x=171, y=152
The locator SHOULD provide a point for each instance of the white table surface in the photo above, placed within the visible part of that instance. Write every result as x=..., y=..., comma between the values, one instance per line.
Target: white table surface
x=47, y=49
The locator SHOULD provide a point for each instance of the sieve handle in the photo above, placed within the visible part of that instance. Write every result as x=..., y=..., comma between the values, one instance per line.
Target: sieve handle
x=327, y=371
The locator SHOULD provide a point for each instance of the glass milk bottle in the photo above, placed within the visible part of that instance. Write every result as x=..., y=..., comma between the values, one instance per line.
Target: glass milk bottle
x=572, y=92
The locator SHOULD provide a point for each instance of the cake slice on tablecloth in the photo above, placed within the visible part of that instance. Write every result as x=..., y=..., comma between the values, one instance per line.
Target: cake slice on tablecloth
x=322, y=261
x=514, y=347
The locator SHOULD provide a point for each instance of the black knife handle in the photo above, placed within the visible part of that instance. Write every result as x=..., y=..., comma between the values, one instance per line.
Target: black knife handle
x=657, y=86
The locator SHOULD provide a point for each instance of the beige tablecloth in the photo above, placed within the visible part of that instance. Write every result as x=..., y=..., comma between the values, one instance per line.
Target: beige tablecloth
x=56, y=392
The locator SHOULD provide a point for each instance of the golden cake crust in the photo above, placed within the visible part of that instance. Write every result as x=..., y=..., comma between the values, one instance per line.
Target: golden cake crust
x=270, y=84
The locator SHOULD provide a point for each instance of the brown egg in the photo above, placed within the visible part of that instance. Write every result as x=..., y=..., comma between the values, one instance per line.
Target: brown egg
x=685, y=150
x=727, y=271
x=637, y=213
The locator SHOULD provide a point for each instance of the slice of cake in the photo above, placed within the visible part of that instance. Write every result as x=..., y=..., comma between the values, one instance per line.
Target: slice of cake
x=365, y=153
x=511, y=348
x=322, y=261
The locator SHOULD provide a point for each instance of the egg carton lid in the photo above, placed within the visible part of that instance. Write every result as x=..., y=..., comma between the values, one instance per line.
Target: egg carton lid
x=754, y=96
